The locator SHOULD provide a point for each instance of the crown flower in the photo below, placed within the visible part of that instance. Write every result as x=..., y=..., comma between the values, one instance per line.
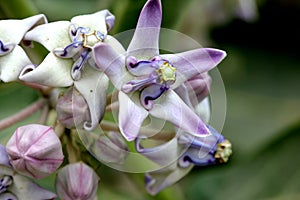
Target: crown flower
x=150, y=78
x=138, y=109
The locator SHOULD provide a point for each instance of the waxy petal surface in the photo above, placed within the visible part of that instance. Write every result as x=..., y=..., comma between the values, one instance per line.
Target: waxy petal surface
x=144, y=44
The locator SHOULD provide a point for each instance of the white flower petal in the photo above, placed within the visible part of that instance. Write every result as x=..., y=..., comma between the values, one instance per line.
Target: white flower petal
x=52, y=35
x=13, y=30
x=93, y=86
x=12, y=64
x=53, y=71
x=98, y=21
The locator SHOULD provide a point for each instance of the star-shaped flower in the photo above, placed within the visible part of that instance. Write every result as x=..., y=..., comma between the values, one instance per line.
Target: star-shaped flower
x=147, y=80
x=12, y=57
x=70, y=62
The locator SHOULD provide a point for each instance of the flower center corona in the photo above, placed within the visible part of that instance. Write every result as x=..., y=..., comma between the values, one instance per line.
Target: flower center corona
x=91, y=38
x=223, y=151
x=166, y=72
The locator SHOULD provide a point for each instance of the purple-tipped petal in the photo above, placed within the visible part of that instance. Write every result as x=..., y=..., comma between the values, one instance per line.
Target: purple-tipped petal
x=111, y=63
x=93, y=86
x=194, y=62
x=144, y=43
x=131, y=116
x=171, y=108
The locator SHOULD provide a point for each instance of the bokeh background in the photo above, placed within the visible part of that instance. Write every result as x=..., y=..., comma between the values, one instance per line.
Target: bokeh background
x=261, y=75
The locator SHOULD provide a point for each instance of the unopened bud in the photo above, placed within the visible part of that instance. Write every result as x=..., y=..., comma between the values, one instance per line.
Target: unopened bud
x=35, y=150
x=77, y=182
x=72, y=109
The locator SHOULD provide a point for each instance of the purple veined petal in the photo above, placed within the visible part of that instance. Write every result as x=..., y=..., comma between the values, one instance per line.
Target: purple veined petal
x=111, y=63
x=172, y=108
x=139, y=84
x=194, y=156
x=151, y=93
x=12, y=64
x=53, y=71
x=6, y=48
x=79, y=64
x=140, y=68
x=144, y=43
x=131, y=116
x=158, y=180
x=53, y=35
x=101, y=21
x=69, y=51
x=164, y=154
x=13, y=30
x=93, y=86
x=193, y=62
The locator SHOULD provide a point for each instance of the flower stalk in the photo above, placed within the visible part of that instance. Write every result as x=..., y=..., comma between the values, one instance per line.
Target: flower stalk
x=23, y=114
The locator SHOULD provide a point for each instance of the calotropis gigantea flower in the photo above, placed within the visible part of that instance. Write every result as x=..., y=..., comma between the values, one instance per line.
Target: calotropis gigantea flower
x=77, y=181
x=148, y=78
x=14, y=186
x=12, y=57
x=70, y=62
x=35, y=150
x=190, y=151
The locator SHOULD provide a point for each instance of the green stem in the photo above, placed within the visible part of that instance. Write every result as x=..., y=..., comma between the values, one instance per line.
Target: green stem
x=18, y=8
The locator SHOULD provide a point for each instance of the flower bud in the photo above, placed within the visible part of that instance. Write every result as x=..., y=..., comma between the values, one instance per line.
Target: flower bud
x=72, y=109
x=77, y=182
x=35, y=150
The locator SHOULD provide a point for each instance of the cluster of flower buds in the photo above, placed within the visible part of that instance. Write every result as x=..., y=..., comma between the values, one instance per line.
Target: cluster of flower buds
x=109, y=96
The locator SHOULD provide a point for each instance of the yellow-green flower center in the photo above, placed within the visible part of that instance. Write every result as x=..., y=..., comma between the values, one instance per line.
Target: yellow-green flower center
x=166, y=72
x=223, y=151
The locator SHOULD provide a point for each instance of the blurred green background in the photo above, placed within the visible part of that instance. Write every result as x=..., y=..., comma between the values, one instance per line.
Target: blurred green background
x=261, y=77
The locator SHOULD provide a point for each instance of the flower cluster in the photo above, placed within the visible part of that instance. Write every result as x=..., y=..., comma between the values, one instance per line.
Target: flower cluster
x=87, y=78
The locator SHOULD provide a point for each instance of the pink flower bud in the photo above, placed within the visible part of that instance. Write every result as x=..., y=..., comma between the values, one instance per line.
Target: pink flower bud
x=35, y=150
x=77, y=182
x=72, y=109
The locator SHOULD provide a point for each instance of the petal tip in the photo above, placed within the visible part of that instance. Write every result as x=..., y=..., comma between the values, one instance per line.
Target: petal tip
x=216, y=55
